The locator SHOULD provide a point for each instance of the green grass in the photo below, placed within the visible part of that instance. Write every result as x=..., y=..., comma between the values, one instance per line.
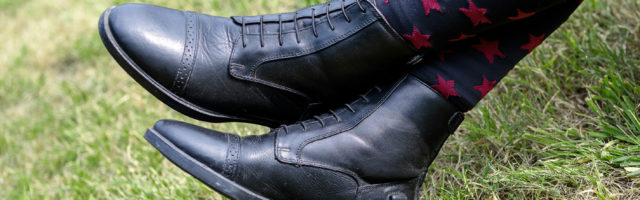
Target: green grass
x=563, y=125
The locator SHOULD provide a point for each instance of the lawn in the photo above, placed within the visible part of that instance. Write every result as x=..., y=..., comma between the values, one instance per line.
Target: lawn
x=563, y=125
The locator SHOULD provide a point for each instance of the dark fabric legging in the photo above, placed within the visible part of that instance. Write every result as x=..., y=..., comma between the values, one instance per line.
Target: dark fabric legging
x=470, y=45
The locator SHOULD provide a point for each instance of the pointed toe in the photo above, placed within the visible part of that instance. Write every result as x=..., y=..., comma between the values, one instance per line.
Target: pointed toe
x=204, y=145
x=376, y=147
x=152, y=37
x=269, y=69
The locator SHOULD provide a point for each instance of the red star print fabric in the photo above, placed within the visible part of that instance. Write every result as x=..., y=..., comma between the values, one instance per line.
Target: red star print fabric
x=490, y=49
x=521, y=15
x=485, y=86
x=470, y=45
x=429, y=5
x=418, y=39
x=475, y=14
x=445, y=87
x=534, y=41
x=432, y=25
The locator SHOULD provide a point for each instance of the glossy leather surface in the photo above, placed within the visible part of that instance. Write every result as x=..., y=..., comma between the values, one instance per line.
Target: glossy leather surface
x=376, y=147
x=270, y=69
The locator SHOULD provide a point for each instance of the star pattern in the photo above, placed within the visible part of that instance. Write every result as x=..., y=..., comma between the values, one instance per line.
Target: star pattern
x=490, y=49
x=485, y=87
x=445, y=87
x=521, y=15
x=534, y=41
x=475, y=14
x=418, y=39
x=429, y=5
x=471, y=39
x=442, y=54
x=462, y=37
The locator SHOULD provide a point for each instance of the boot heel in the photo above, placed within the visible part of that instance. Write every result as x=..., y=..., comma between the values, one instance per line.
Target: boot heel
x=404, y=190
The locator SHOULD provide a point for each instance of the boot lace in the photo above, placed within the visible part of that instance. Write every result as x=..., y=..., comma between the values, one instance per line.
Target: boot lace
x=333, y=113
x=295, y=22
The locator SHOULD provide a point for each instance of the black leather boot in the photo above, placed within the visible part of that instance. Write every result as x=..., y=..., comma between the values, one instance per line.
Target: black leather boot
x=269, y=70
x=376, y=147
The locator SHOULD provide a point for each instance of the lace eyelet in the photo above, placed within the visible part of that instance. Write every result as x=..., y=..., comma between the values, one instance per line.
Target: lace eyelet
x=345, y=13
x=280, y=30
x=244, y=42
x=366, y=100
x=319, y=120
x=350, y=108
x=377, y=88
x=313, y=22
x=304, y=127
x=295, y=24
x=361, y=8
x=261, y=31
x=328, y=15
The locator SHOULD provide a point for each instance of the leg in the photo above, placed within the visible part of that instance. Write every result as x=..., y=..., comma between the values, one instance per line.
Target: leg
x=444, y=22
x=465, y=72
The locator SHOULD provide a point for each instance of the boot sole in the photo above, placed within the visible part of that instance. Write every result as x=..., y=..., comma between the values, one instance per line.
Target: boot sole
x=214, y=180
x=156, y=89
x=230, y=189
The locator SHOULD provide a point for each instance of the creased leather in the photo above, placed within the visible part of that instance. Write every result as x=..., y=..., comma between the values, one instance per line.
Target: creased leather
x=377, y=147
x=240, y=71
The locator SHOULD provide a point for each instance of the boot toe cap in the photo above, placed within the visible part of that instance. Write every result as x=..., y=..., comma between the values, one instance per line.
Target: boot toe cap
x=152, y=37
x=207, y=146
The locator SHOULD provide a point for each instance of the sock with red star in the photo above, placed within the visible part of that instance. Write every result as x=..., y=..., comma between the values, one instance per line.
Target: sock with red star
x=432, y=25
x=463, y=73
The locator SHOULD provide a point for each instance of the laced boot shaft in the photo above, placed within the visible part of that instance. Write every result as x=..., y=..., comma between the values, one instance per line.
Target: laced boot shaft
x=376, y=147
x=382, y=122
x=315, y=18
x=333, y=116
x=267, y=69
